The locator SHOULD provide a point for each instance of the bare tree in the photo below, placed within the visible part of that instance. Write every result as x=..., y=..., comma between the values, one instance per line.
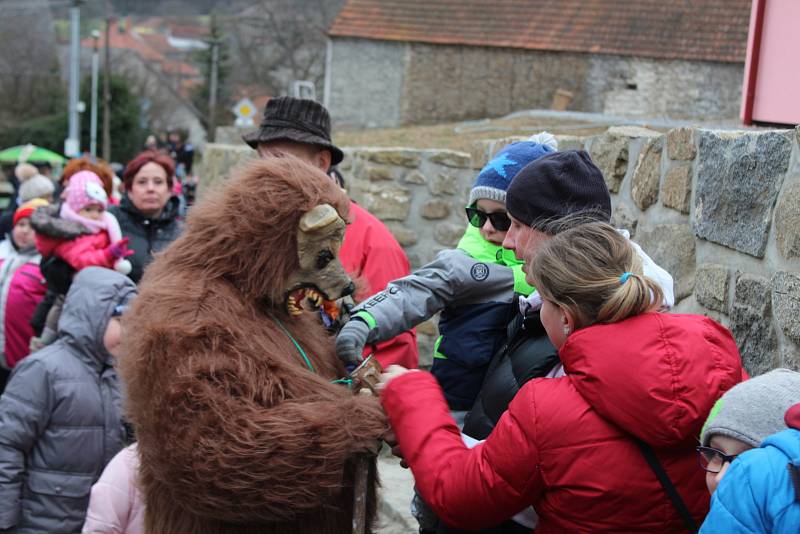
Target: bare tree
x=30, y=82
x=277, y=41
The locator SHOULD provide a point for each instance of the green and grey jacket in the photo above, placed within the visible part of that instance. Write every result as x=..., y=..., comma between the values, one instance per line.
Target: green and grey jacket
x=475, y=287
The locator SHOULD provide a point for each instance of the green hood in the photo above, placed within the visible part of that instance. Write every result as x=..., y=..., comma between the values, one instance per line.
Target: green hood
x=477, y=247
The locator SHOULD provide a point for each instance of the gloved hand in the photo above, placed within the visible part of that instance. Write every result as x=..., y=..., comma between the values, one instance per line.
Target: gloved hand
x=119, y=249
x=351, y=340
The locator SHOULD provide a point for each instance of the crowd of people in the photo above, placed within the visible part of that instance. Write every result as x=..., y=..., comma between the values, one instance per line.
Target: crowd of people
x=563, y=396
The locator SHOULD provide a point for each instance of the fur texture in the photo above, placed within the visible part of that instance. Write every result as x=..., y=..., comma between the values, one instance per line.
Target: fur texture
x=235, y=434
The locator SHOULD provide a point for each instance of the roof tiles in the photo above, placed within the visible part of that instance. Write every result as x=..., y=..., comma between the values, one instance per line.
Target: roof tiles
x=705, y=30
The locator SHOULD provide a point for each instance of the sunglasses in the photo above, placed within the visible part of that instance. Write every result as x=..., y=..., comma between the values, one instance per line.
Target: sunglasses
x=499, y=220
x=712, y=460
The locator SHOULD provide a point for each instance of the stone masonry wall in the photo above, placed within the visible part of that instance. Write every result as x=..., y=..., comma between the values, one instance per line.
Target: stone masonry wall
x=388, y=84
x=720, y=210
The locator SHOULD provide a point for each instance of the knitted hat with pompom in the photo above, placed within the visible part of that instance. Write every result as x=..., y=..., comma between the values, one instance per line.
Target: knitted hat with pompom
x=494, y=179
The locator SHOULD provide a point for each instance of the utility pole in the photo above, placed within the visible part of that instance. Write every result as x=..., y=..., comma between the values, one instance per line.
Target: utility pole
x=107, y=89
x=93, y=119
x=72, y=145
x=212, y=89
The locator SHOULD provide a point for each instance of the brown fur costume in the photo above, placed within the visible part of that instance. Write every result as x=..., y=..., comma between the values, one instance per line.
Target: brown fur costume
x=235, y=433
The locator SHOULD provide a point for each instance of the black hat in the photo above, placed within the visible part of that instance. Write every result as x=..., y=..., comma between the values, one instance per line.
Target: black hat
x=295, y=119
x=559, y=185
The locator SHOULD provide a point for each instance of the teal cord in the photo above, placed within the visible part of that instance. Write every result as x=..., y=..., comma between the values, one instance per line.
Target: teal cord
x=347, y=381
x=296, y=345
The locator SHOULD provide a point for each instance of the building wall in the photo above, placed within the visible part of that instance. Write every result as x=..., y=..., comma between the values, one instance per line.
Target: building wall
x=677, y=89
x=366, y=82
x=388, y=84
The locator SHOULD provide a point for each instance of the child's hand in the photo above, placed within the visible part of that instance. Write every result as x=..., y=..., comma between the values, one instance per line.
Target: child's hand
x=119, y=249
x=390, y=373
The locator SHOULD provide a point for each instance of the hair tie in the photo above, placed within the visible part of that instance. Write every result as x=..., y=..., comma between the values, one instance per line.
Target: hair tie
x=624, y=277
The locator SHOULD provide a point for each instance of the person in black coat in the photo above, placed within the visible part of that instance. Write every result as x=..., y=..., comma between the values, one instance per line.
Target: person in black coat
x=148, y=213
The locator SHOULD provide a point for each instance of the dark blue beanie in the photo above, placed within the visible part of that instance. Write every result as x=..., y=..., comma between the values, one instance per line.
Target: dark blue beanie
x=494, y=179
x=556, y=186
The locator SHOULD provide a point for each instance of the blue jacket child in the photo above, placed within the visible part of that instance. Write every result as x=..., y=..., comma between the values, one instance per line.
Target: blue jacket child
x=760, y=492
x=475, y=287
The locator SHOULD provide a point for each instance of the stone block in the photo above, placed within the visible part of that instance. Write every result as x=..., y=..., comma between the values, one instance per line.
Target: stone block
x=790, y=357
x=609, y=151
x=622, y=217
x=378, y=174
x=443, y=183
x=647, y=174
x=570, y=142
x=219, y=161
x=676, y=192
x=786, y=303
x=738, y=179
x=415, y=177
x=451, y=158
x=436, y=209
x=751, y=326
x=387, y=201
x=787, y=219
x=610, y=154
x=404, y=235
x=672, y=246
x=346, y=164
x=680, y=144
x=428, y=328
x=448, y=234
x=711, y=286
x=633, y=132
x=394, y=156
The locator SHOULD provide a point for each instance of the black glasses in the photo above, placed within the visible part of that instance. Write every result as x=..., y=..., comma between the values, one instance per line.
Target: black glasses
x=499, y=220
x=712, y=459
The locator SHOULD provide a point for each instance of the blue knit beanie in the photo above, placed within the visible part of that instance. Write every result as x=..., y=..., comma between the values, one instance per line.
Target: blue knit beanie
x=496, y=176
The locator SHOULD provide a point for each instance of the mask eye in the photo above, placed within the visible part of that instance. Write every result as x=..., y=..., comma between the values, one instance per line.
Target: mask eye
x=324, y=258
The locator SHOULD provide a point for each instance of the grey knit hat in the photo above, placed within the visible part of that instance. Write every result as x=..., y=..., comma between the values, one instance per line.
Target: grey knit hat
x=754, y=409
x=38, y=186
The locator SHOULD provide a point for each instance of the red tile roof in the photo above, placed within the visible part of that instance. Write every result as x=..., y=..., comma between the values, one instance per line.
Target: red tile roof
x=710, y=30
x=142, y=45
x=187, y=31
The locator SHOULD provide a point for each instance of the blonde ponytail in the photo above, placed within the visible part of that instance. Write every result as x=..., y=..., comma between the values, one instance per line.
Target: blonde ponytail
x=594, y=273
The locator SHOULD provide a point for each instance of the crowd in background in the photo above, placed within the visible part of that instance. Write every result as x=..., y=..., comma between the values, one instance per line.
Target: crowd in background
x=92, y=214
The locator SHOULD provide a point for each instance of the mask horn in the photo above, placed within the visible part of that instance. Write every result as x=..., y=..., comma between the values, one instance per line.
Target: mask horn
x=319, y=217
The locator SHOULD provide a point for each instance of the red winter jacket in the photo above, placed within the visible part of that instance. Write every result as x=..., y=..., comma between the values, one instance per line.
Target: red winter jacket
x=371, y=253
x=564, y=444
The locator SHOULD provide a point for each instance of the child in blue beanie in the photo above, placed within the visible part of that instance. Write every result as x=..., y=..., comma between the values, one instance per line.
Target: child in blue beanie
x=475, y=286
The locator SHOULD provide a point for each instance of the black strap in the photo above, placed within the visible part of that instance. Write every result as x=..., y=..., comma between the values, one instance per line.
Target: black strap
x=667, y=484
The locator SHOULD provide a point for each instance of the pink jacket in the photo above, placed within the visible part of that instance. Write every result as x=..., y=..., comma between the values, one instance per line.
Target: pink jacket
x=21, y=289
x=116, y=506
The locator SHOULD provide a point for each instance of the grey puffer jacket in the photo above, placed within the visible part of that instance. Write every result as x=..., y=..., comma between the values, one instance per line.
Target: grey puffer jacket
x=61, y=414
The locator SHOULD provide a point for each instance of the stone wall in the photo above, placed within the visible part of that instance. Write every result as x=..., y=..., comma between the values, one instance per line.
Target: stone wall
x=388, y=84
x=720, y=210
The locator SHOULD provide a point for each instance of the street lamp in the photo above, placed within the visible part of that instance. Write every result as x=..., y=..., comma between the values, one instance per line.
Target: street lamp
x=95, y=71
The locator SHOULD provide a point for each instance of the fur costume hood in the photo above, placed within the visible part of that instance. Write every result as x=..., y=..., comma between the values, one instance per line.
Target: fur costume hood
x=236, y=433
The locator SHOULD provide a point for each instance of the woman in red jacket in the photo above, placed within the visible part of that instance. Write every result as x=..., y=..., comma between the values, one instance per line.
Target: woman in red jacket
x=570, y=446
